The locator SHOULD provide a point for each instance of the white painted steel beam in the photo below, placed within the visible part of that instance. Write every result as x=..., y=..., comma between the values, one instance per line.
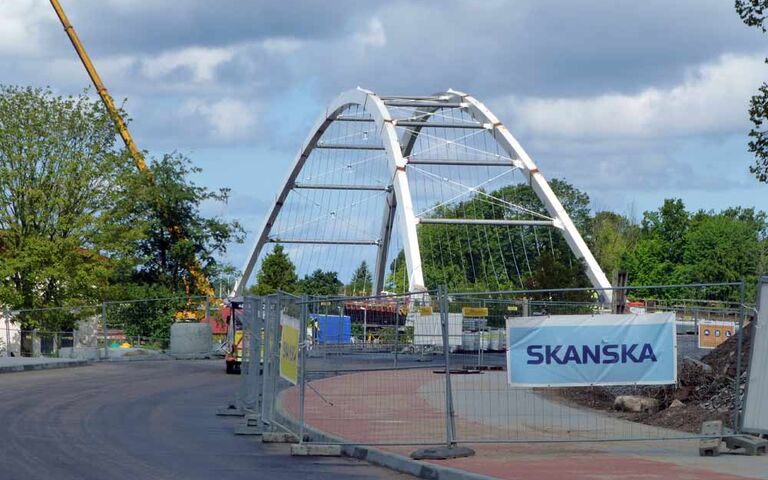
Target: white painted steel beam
x=542, y=189
x=488, y=221
x=341, y=186
x=317, y=241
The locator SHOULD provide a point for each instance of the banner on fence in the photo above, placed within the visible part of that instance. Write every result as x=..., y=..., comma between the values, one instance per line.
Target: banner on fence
x=584, y=350
x=713, y=332
x=289, y=349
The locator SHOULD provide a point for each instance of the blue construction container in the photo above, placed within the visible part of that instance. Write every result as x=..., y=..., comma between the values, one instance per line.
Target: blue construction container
x=333, y=328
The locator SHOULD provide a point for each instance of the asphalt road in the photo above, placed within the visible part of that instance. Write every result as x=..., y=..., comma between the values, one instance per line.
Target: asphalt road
x=141, y=420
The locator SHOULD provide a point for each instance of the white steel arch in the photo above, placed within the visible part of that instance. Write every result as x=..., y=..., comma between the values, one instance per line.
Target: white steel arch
x=399, y=197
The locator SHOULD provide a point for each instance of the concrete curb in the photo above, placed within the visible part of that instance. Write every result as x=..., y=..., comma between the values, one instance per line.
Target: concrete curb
x=43, y=366
x=377, y=456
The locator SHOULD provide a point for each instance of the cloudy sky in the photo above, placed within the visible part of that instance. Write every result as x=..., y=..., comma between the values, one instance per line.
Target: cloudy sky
x=632, y=102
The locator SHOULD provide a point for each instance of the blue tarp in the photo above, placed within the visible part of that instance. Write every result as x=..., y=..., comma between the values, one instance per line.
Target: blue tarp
x=333, y=328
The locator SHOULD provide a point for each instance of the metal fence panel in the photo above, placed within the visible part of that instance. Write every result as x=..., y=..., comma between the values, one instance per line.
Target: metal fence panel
x=429, y=369
x=755, y=418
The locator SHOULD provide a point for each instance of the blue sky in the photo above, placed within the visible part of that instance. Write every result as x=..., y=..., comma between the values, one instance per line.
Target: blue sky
x=632, y=102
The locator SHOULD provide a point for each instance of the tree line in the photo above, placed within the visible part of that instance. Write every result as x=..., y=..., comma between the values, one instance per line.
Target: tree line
x=669, y=245
x=80, y=225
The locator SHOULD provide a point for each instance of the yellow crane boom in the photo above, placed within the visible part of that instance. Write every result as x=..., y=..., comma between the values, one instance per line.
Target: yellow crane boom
x=198, y=277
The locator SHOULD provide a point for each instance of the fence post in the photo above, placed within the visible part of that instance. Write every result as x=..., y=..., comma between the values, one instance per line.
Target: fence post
x=7, y=315
x=397, y=328
x=272, y=337
x=302, y=362
x=737, y=387
x=450, y=426
x=104, y=328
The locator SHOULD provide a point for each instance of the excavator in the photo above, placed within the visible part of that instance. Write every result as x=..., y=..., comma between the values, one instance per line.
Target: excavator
x=233, y=345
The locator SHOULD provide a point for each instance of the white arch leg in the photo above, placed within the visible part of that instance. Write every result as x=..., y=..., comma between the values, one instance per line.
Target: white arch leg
x=544, y=192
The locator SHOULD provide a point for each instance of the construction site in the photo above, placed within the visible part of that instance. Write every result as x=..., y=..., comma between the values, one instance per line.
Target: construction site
x=418, y=297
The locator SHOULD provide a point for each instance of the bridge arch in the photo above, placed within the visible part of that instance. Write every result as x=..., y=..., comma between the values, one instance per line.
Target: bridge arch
x=396, y=126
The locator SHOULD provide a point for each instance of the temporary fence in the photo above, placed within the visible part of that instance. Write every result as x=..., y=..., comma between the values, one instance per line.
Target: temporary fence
x=96, y=330
x=432, y=368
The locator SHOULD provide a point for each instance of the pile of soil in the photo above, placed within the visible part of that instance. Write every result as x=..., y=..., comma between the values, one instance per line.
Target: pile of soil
x=706, y=389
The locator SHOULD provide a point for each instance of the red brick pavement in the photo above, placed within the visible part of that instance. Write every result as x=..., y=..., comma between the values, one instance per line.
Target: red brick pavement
x=389, y=407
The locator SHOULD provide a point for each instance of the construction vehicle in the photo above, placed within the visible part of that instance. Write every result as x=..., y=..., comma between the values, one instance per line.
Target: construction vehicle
x=196, y=273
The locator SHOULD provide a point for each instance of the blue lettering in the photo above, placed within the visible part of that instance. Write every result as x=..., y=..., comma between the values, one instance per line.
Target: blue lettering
x=609, y=354
x=587, y=353
x=627, y=353
x=647, y=353
x=533, y=351
x=551, y=354
x=571, y=354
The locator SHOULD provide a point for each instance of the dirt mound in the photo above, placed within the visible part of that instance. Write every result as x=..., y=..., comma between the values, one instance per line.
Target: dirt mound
x=706, y=389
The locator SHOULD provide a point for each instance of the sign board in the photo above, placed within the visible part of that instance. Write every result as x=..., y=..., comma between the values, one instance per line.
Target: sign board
x=325, y=304
x=289, y=349
x=585, y=350
x=755, y=417
x=636, y=307
x=479, y=312
x=427, y=330
x=512, y=308
x=712, y=333
x=425, y=311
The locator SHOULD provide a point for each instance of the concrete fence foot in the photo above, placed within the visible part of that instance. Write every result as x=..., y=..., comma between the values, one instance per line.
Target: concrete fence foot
x=309, y=450
x=442, y=453
x=230, y=411
x=279, y=437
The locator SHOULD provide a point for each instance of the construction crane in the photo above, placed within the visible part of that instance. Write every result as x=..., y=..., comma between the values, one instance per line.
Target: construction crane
x=199, y=280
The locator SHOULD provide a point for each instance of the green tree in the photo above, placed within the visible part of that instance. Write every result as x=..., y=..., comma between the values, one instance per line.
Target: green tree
x=62, y=174
x=177, y=234
x=321, y=283
x=676, y=247
x=612, y=236
x=723, y=247
x=362, y=281
x=480, y=258
x=669, y=224
x=753, y=14
x=277, y=272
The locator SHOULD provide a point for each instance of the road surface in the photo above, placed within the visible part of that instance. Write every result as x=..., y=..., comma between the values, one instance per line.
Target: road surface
x=141, y=420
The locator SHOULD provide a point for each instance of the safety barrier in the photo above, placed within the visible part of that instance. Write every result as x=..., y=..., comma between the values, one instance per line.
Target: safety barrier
x=639, y=363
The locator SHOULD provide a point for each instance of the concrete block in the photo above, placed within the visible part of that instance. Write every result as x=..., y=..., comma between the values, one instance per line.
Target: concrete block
x=279, y=437
x=751, y=445
x=710, y=447
x=230, y=411
x=191, y=338
x=81, y=353
x=253, y=420
x=442, y=453
x=310, y=450
x=249, y=430
x=88, y=332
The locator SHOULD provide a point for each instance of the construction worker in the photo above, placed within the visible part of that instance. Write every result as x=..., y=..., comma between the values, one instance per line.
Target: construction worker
x=315, y=329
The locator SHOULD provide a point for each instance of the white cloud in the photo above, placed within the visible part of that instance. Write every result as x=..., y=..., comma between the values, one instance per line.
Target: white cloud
x=282, y=46
x=201, y=61
x=712, y=99
x=228, y=118
x=374, y=35
x=21, y=25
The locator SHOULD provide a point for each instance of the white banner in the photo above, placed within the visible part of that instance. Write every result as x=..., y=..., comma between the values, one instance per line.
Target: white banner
x=584, y=350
